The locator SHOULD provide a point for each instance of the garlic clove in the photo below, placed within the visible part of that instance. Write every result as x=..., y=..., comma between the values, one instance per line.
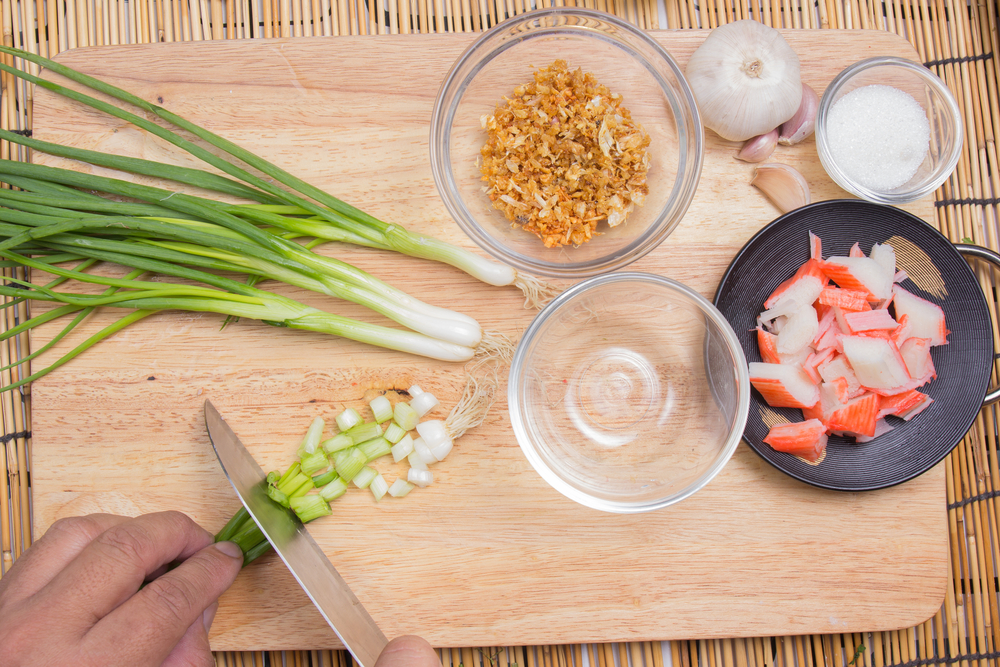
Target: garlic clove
x=783, y=185
x=759, y=148
x=801, y=125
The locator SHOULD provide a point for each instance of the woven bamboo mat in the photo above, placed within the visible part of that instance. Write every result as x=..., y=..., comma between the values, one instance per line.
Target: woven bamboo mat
x=958, y=41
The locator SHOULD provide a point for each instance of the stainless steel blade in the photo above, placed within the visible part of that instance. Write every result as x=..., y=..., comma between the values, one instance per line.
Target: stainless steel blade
x=304, y=558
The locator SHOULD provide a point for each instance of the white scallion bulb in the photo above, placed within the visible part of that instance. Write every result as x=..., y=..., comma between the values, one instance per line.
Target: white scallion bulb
x=424, y=403
x=419, y=477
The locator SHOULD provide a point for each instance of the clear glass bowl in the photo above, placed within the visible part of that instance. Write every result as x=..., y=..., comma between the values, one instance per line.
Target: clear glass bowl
x=942, y=114
x=621, y=57
x=628, y=392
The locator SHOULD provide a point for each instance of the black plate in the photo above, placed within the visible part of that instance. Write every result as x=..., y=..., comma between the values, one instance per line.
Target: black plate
x=963, y=365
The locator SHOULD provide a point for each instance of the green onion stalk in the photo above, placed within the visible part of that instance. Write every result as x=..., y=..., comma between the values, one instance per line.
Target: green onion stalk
x=297, y=207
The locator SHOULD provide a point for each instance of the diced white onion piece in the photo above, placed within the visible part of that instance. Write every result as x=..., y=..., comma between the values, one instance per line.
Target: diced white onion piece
x=423, y=452
x=348, y=419
x=442, y=449
x=419, y=477
x=405, y=416
x=378, y=487
x=424, y=403
x=313, y=435
x=394, y=433
x=381, y=408
x=400, y=488
x=403, y=448
x=364, y=478
x=432, y=431
x=415, y=391
x=416, y=461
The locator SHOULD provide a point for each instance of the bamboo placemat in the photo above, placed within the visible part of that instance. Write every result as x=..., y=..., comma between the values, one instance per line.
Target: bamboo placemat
x=958, y=41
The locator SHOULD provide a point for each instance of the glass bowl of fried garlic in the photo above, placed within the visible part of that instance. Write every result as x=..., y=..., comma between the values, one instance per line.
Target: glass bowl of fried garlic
x=566, y=143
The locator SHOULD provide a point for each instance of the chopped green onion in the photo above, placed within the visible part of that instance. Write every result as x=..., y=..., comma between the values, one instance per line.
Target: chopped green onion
x=313, y=463
x=324, y=479
x=292, y=484
x=399, y=488
x=275, y=494
x=375, y=448
x=416, y=461
x=310, y=507
x=352, y=463
x=405, y=416
x=363, y=432
x=337, y=443
x=333, y=490
x=423, y=452
x=423, y=402
x=364, y=477
x=378, y=487
x=403, y=448
x=394, y=433
x=419, y=477
x=381, y=408
x=313, y=436
x=348, y=419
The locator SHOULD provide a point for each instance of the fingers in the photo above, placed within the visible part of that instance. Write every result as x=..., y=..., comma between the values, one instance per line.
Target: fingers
x=154, y=620
x=408, y=651
x=193, y=649
x=62, y=542
x=112, y=567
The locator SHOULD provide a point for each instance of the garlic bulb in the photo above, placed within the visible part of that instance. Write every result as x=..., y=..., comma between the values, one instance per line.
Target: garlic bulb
x=746, y=80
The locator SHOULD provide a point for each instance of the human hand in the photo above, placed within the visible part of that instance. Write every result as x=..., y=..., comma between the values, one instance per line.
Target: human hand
x=408, y=651
x=76, y=597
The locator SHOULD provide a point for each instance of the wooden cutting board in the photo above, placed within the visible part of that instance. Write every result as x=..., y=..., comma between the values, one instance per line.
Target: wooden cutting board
x=489, y=554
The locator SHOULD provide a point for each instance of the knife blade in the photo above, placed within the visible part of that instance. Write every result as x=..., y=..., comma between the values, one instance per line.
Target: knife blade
x=295, y=546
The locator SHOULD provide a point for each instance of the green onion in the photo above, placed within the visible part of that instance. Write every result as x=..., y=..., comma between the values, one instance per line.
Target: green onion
x=333, y=490
x=322, y=480
x=399, y=488
x=381, y=409
x=403, y=448
x=394, y=433
x=378, y=486
x=351, y=464
x=313, y=463
x=365, y=431
x=405, y=416
x=364, y=477
x=310, y=507
x=313, y=436
x=375, y=448
x=337, y=443
x=348, y=419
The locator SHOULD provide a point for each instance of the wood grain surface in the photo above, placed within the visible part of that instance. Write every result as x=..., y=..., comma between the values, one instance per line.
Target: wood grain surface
x=489, y=554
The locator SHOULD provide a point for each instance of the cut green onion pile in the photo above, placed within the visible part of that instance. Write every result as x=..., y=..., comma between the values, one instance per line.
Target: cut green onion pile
x=65, y=222
x=319, y=477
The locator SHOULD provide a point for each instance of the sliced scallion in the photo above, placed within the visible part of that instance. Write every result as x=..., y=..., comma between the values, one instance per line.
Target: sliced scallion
x=333, y=490
x=337, y=443
x=403, y=448
x=381, y=409
x=375, y=448
x=399, y=488
x=309, y=507
x=393, y=433
x=348, y=419
x=405, y=416
x=378, y=486
x=364, y=477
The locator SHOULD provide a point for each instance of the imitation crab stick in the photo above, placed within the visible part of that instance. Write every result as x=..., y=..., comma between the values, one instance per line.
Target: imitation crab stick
x=806, y=439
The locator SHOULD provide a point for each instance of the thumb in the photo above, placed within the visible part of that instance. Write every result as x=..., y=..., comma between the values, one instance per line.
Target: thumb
x=408, y=651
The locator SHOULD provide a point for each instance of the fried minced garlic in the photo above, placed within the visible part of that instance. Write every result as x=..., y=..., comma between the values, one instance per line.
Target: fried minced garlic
x=563, y=154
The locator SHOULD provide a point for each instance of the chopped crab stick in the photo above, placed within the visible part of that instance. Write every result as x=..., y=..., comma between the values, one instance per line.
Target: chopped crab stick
x=815, y=247
x=856, y=250
x=802, y=288
x=926, y=319
x=916, y=353
x=904, y=405
x=783, y=385
x=869, y=320
x=881, y=428
x=876, y=362
x=768, y=344
x=859, y=273
x=858, y=417
x=806, y=439
x=848, y=300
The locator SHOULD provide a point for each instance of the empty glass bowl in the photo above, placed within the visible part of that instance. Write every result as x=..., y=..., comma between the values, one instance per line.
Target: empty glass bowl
x=865, y=166
x=628, y=392
x=623, y=58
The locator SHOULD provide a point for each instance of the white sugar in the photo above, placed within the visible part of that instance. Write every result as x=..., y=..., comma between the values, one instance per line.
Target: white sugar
x=879, y=136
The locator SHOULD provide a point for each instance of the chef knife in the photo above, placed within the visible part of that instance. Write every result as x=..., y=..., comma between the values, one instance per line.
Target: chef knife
x=293, y=544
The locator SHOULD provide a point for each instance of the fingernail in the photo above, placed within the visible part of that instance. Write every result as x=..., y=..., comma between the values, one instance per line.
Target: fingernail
x=231, y=549
x=209, y=614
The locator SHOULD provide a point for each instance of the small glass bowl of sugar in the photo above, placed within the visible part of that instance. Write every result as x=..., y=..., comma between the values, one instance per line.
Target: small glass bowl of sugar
x=888, y=130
